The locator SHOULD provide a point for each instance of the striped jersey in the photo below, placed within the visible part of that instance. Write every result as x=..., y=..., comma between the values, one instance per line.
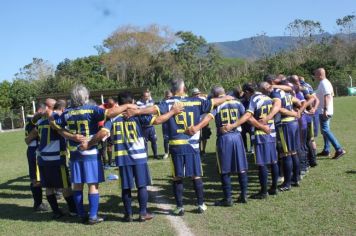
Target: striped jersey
x=145, y=104
x=82, y=120
x=287, y=103
x=260, y=106
x=29, y=126
x=127, y=136
x=277, y=94
x=227, y=113
x=52, y=146
x=179, y=142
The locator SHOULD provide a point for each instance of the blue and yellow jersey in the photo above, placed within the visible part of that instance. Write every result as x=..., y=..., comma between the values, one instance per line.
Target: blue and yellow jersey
x=82, y=120
x=287, y=103
x=280, y=95
x=260, y=106
x=307, y=89
x=144, y=104
x=52, y=146
x=181, y=143
x=227, y=113
x=29, y=126
x=127, y=136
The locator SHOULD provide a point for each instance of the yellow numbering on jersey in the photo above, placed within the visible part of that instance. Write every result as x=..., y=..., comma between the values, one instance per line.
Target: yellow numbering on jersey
x=182, y=121
x=125, y=129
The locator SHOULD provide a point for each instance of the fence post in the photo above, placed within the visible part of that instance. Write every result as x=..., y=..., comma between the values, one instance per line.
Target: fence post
x=23, y=116
x=0, y=127
x=102, y=99
x=34, y=107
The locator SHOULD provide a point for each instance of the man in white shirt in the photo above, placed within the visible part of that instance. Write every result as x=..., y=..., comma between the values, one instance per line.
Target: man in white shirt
x=325, y=93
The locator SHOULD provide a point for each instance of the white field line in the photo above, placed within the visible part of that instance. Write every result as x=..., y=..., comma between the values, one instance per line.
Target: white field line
x=176, y=221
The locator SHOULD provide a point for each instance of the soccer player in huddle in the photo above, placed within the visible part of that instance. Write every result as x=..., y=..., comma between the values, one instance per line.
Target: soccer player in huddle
x=130, y=153
x=85, y=165
x=184, y=148
x=287, y=133
x=52, y=158
x=231, y=156
x=148, y=130
x=167, y=95
x=34, y=174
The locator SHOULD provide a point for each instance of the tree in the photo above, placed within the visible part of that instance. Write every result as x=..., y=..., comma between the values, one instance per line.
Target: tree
x=304, y=30
x=347, y=25
x=131, y=49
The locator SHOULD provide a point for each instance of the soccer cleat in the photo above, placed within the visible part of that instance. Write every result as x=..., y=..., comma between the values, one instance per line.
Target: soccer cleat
x=143, y=218
x=323, y=154
x=41, y=207
x=202, y=208
x=178, y=211
x=295, y=183
x=339, y=153
x=272, y=191
x=284, y=188
x=313, y=164
x=97, y=220
x=242, y=199
x=280, y=179
x=128, y=218
x=84, y=219
x=260, y=195
x=58, y=214
x=224, y=202
x=72, y=213
x=165, y=156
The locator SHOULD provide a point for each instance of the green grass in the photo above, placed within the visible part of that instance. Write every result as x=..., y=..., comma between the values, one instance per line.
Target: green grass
x=325, y=204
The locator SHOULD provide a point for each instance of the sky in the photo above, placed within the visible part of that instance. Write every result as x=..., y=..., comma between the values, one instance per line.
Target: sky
x=55, y=30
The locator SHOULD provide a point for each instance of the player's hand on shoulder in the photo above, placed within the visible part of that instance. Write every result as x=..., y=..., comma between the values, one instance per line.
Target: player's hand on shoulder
x=177, y=108
x=263, y=121
x=83, y=146
x=229, y=97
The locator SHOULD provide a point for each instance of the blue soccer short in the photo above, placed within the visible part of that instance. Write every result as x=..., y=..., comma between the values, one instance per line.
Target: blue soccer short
x=132, y=175
x=231, y=155
x=186, y=165
x=54, y=176
x=87, y=170
x=289, y=137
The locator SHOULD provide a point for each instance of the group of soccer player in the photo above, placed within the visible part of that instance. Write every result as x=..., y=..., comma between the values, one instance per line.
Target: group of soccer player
x=280, y=113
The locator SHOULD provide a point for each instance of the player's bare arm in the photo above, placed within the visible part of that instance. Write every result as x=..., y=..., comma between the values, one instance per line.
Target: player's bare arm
x=176, y=109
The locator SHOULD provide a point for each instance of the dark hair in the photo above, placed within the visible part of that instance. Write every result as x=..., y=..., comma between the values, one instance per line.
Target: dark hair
x=269, y=78
x=109, y=98
x=249, y=87
x=60, y=104
x=40, y=106
x=125, y=97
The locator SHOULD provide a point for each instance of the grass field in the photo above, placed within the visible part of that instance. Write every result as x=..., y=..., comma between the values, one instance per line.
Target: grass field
x=325, y=204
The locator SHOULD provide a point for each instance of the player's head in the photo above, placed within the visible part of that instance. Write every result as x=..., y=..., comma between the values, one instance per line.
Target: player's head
x=60, y=106
x=249, y=89
x=110, y=102
x=79, y=95
x=167, y=94
x=50, y=103
x=177, y=86
x=125, y=97
x=237, y=92
x=195, y=92
x=217, y=91
x=320, y=74
x=146, y=95
x=41, y=107
x=294, y=80
x=301, y=78
x=265, y=88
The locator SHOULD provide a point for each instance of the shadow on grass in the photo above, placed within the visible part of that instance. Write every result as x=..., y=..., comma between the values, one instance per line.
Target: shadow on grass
x=212, y=184
x=21, y=183
x=350, y=172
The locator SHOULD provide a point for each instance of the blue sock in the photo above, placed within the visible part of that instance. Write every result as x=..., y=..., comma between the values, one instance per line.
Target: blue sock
x=178, y=192
x=287, y=169
x=78, y=199
x=199, y=191
x=275, y=174
x=37, y=194
x=263, y=177
x=126, y=199
x=296, y=168
x=93, y=205
x=142, y=199
x=243, y=183
x=226, y=185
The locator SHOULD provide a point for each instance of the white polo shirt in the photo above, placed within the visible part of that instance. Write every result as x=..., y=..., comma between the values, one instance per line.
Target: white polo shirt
x=325, y=88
